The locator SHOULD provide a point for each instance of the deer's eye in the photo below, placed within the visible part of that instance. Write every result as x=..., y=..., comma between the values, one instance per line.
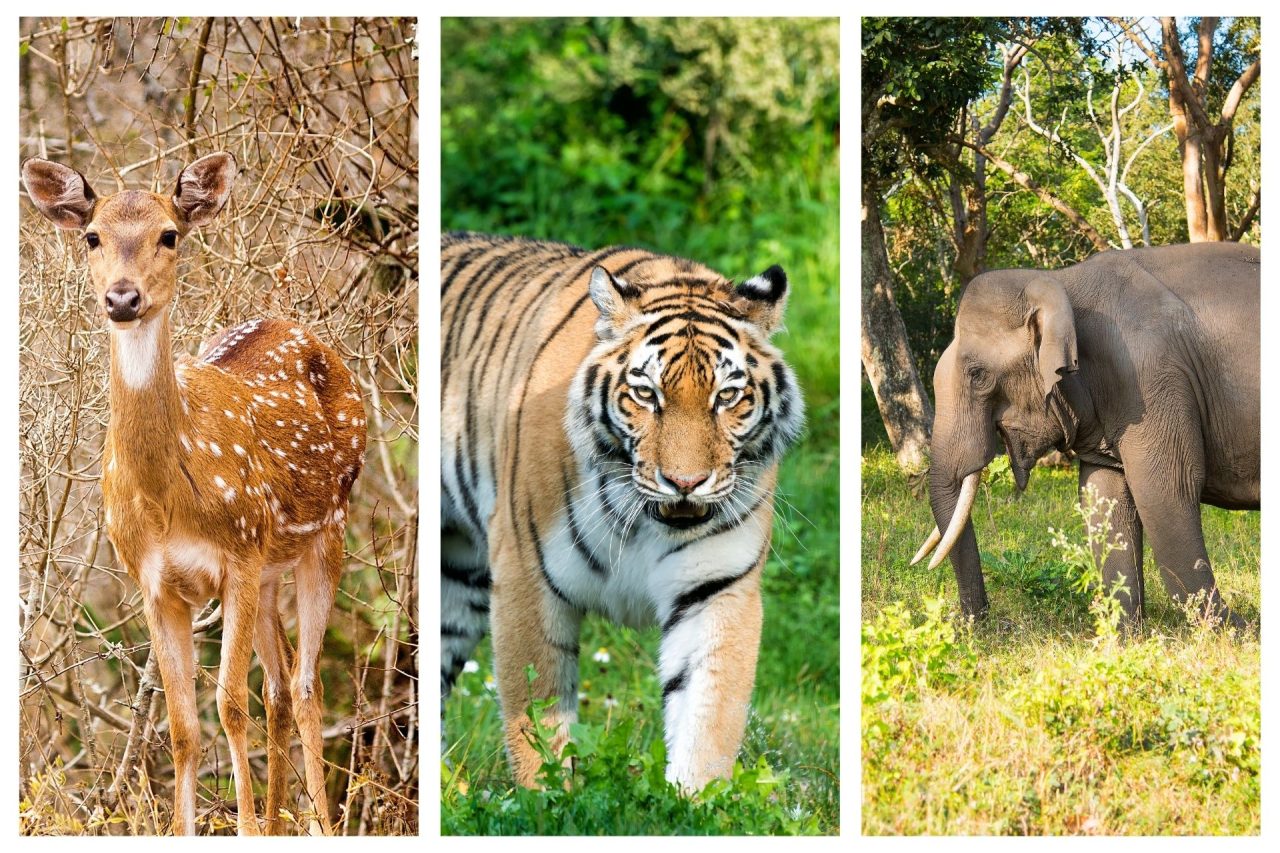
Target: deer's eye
x=169, y=239
x=92, y=240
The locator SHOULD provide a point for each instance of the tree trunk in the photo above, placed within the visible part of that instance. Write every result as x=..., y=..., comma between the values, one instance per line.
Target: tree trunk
x=1202, y=141
x=886, y=356
x=1189, y=141
x=1214, y=189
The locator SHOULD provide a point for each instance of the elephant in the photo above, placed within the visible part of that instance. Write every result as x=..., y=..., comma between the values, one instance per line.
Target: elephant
x=1144, y=365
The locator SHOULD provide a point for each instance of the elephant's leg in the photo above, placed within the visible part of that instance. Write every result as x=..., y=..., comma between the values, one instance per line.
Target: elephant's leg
x=1123, y=564
x=1168, y=501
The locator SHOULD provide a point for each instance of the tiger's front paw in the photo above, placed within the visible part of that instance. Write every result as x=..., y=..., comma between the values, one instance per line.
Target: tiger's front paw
x=692, y=773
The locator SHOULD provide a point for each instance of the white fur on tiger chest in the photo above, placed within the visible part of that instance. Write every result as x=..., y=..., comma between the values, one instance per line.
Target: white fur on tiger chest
x=644, y=575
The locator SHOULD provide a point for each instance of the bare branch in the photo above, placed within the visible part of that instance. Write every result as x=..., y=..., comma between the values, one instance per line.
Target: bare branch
x=1238, y=89
x=1027, y=182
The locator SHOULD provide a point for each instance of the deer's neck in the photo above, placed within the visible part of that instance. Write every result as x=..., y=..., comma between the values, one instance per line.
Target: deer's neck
x=146, y=407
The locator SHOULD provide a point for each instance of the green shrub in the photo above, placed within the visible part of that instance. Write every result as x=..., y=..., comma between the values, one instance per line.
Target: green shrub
x=903, y=656
x=1145, y=696
x=612, y=785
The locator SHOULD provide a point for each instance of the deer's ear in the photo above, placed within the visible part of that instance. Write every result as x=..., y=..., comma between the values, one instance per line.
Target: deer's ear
x=203, y=188
x=59, y=192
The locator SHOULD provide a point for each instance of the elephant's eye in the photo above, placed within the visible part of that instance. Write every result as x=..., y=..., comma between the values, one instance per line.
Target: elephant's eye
x=978, y=376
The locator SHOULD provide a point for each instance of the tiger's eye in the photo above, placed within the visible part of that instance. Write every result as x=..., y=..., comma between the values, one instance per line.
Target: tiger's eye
x=643, y=392
x=726, y=395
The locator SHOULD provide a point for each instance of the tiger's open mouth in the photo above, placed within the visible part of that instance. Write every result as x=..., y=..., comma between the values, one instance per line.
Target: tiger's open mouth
x=682, y=514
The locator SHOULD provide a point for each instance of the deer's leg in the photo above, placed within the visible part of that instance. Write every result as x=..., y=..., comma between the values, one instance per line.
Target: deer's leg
x=169, y=622
x=239, y=618
x=316, y=578
x=272, y=645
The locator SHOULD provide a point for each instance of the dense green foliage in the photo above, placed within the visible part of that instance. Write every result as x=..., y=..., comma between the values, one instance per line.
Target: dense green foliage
x=715, y=140
x=918, y=74
x=1040, y=719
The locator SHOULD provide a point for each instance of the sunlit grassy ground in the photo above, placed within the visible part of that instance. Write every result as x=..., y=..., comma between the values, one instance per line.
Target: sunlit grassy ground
x=1028, y=724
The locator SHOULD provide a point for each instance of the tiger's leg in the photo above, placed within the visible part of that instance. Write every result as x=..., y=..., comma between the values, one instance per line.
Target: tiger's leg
x=464, y=612
x=464, y=604
x=707, y=662
x=533, y=624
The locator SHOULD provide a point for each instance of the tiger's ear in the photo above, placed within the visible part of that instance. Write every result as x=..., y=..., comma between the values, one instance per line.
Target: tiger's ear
x=614, y=299
x=763, y=298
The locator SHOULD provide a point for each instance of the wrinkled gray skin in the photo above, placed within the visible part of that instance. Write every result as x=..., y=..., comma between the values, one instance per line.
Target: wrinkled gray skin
x=1145, y=365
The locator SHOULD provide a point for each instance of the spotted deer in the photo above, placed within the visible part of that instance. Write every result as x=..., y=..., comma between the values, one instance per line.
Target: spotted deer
x=220, y=474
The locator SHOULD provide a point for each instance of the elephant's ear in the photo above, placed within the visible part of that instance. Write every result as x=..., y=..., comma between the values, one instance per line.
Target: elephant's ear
x=1053, y=329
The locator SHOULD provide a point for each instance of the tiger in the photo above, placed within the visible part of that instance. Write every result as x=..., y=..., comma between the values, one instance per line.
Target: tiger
x=611, y=427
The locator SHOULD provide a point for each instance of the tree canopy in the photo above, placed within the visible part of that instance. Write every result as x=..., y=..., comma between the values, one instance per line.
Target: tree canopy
x=1036, y=142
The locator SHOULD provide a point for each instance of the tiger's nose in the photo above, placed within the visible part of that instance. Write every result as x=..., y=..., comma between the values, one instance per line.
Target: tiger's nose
x=122, y=301
x=686, y=483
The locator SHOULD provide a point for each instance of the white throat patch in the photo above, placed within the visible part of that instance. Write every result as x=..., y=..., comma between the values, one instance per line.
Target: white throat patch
x=135, y=353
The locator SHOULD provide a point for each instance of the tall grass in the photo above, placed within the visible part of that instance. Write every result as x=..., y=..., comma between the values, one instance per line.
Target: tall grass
x=1029, y=722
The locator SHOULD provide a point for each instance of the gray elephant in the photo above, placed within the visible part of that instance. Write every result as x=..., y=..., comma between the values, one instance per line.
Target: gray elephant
x=1143, y=364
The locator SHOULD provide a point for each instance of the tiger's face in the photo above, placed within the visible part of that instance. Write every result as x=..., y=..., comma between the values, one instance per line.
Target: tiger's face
x=684, y=394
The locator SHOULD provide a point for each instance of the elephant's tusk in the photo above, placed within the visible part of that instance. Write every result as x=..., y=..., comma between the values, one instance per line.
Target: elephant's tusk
x=934, y=538
x=959, y=518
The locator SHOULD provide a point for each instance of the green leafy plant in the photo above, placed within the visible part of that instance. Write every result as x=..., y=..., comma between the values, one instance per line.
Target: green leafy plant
x=903, y=655
x=1084, y=561
x=604, y=782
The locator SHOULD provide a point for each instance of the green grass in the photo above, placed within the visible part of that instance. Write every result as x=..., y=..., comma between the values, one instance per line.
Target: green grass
x=794, y=724
x=1029, y=722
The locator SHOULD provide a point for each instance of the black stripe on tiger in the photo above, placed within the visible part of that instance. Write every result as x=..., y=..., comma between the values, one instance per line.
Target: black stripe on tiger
x=704, y=591
x=591, y=262
x=474, y=578
x=574, y=532
x=675, y=684
x=536, y=538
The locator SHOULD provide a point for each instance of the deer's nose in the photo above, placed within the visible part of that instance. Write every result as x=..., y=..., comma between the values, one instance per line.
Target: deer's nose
x=122, y=301
x=685, y=483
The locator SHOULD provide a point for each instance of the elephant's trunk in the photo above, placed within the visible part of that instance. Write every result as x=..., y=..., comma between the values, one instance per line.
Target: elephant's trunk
x=952, y=504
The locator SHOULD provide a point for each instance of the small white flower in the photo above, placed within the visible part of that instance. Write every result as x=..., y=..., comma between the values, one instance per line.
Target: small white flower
x=471, y=666
x=601, y=655
x=610, y=702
